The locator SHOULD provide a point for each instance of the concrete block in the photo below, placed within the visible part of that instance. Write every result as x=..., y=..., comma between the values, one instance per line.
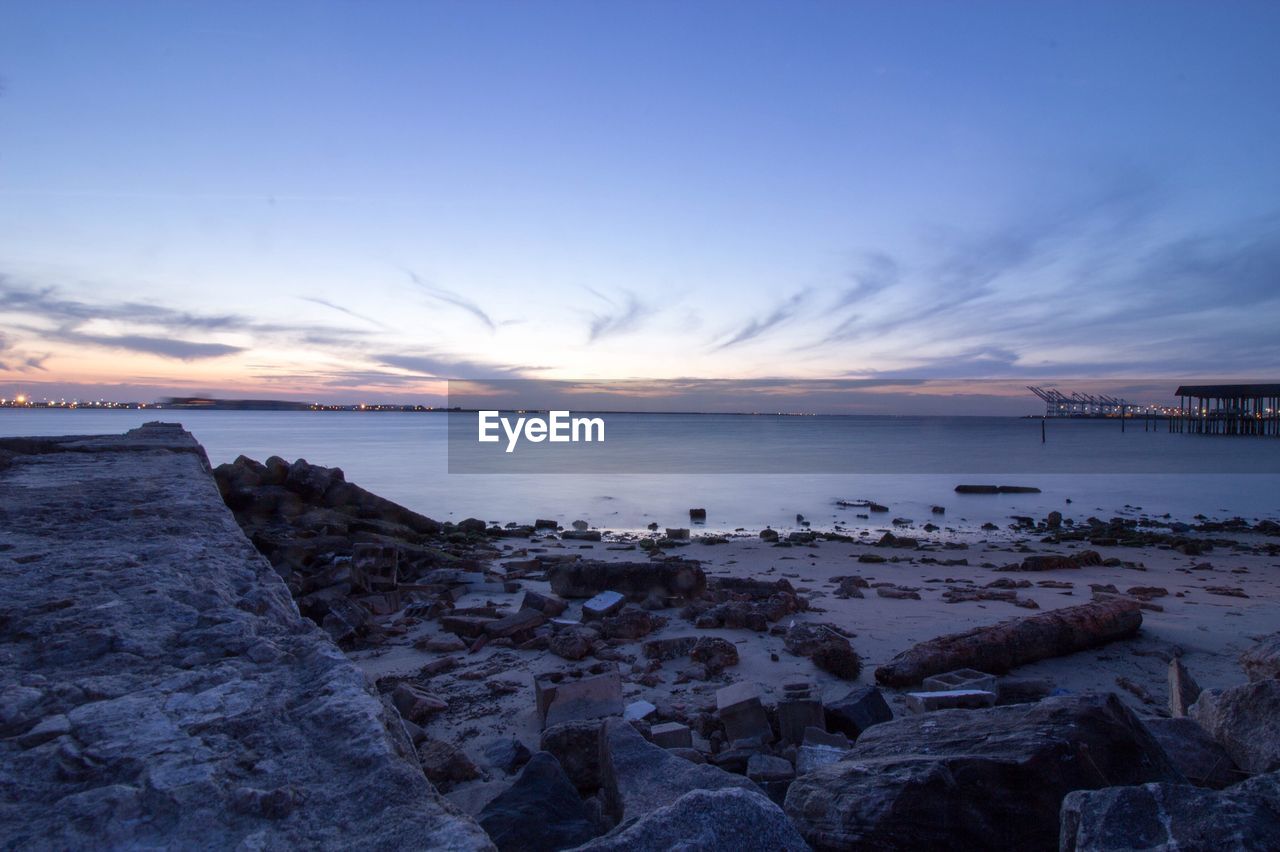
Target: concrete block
x=562, y=697
x=672, y=735
x=605, y=603
x=797, y=714
x=960, y=679
x=522, y=621
x=857, y=711
x=638, y=710
x=969, y=699
x=742, y=713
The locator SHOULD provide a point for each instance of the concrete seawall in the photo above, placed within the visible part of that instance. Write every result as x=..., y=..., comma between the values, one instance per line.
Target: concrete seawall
x=159, y=688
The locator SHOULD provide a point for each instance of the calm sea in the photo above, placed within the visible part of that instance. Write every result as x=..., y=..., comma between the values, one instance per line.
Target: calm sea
x=404, y=457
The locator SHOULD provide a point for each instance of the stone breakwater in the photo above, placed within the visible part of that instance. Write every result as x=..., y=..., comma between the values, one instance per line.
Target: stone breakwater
x=160, y=688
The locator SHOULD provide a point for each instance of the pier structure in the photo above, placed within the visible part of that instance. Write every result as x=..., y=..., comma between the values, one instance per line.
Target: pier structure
x=1246, y=409
x=1060, y=404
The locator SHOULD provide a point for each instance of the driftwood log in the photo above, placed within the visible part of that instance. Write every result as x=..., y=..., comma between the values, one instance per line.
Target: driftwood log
x=1000, y=647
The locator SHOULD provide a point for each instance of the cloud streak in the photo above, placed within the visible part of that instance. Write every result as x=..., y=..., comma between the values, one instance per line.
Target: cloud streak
x=450, y=298
x=762, y=325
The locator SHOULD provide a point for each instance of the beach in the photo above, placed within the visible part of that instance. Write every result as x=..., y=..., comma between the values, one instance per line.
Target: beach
x=1207, y=631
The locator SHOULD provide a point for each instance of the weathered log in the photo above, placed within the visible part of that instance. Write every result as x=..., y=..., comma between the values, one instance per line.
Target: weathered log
x=1000, y=647
x=680, y=578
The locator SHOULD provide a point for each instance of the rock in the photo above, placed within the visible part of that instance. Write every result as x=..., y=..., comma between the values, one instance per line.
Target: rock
x=766, y=767
x=682, y=578
x=742, y=713
x=768, y=534
x=504, y=753
x=1054, y=562
x=445, y=764
x=576, y=745
x=1245, y=719
x=638, y=776
x=715, y=653
x=698, y=515
x=671, y=735
x=706, y=821
x=1262, y=661
x=1000, y=647
x=811, y=757
x=1054, y=520
x=416, y=704
x=836, y=656
x=977, y=489
x=974, y=779
x=1183, y=689
x=630, y=624
x=677, y=534
x=1173, y=817
x=1022, y=690
x=541, y=811
x=1197, y=755
x=950, y=699
x=897, y=593
x=857, y=711
x=605, y=603
x=670, y=648
x=571, y=643
x=803, y=638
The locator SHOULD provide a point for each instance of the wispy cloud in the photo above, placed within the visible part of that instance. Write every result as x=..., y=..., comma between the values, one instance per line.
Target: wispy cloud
x=147, y=328
x=625, y=314
x=450, y=298
x=762, y=325
x=443, y=366
x=315, y=300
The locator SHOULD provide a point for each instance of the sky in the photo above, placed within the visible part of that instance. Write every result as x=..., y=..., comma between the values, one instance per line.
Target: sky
x=350, y=202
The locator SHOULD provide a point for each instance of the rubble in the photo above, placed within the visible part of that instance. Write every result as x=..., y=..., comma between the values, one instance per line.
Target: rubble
x=541, y=810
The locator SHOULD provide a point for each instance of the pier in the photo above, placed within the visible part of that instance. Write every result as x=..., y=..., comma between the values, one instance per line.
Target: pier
x=1247, y=409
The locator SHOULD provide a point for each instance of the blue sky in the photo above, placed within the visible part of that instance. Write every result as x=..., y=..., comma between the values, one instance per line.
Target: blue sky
x=350, y=200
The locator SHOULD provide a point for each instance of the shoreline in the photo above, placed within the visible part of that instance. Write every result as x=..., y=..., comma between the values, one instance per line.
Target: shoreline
x=643, y=669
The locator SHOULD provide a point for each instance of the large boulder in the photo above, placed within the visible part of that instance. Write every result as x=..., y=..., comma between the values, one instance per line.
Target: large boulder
x=1197, y=755
x=974, y=779
x=639, y=777
x=1173, y=817
x=1246, y=720
x=706, y=821
x=680, y=578
x=540, y=811
x=1262, y=661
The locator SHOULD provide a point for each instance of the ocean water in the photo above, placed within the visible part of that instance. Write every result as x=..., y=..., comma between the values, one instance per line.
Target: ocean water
x=405, y=457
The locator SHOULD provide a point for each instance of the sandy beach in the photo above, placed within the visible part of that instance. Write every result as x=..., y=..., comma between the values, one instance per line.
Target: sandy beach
x=490, y=691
